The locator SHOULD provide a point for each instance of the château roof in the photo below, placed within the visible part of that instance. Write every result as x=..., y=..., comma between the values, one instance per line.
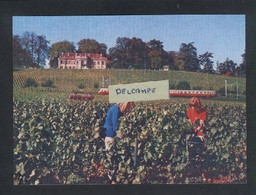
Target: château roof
x=72, y=56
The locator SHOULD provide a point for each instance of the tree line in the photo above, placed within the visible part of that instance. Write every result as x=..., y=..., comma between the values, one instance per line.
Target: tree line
x=32, y=50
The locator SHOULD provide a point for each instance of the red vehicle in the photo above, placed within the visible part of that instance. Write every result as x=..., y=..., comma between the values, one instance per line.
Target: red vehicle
x=74, y=96
x=103, y=91
x=192, y=93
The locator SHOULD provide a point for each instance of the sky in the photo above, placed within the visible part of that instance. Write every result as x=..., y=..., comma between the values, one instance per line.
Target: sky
x=222, y=35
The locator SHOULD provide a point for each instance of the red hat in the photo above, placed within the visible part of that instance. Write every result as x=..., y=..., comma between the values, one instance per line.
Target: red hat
x=195, y=102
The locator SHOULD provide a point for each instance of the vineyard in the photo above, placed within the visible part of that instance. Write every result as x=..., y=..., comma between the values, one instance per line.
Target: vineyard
x=58, y=143
x=56, y=140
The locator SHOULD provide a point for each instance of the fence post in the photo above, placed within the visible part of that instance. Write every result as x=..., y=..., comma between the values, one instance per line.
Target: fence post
x=226, y=91
x=236, y=90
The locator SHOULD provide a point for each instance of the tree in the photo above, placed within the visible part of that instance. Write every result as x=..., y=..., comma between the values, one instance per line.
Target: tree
x=57, y=49
x=243, y=66
x=36, y=47
x=21, y=58
x=219, y=67
x=187, y=58
x=227, y=67
x=156, y=54
x=241, y=69
x=17, y=52
x=172, y=57
x=41, y=50
x=168, y=60
x=129, y=53
x=156, y=45
x=206, y=63
x=117, y=54
x=28, y=42
x=137, y=53
x=91, y=46
x=103, y=48
x=156, y=60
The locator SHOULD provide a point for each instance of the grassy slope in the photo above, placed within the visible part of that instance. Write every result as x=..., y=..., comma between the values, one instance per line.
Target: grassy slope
x=66, y=81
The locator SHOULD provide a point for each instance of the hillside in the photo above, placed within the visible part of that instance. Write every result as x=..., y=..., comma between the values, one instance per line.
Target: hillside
x=68, y=81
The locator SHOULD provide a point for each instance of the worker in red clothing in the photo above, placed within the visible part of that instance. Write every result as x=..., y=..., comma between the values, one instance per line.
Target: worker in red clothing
x=197, y=116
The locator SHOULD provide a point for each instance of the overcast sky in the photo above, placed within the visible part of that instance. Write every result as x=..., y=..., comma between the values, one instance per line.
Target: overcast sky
x=223, y=35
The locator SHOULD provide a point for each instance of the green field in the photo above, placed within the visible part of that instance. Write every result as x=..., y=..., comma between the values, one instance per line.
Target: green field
x=67, y=81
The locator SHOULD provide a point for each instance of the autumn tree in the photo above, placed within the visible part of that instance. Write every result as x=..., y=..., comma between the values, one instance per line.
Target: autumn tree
x=172, y=59
x=91, y=46
x=137, y=53
x=206, y=63
x=156, y=60
x=227, y=67
x=57, y=49
x=156, y=54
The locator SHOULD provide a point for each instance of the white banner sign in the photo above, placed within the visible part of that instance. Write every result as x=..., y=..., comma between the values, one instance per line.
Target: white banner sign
x=145, y=91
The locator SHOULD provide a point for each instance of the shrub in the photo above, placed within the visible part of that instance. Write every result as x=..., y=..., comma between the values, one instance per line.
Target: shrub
x=30, y=82
x=197, y=87
x=221, y=91
x=171, y=86
x=47, y=83
x=81, y=85
x=75, y=91
x=183, y=85
x=96, y=85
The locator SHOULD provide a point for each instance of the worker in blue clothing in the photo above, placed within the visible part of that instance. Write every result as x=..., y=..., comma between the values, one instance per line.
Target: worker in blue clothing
x=111, y=124
x=111, y=129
